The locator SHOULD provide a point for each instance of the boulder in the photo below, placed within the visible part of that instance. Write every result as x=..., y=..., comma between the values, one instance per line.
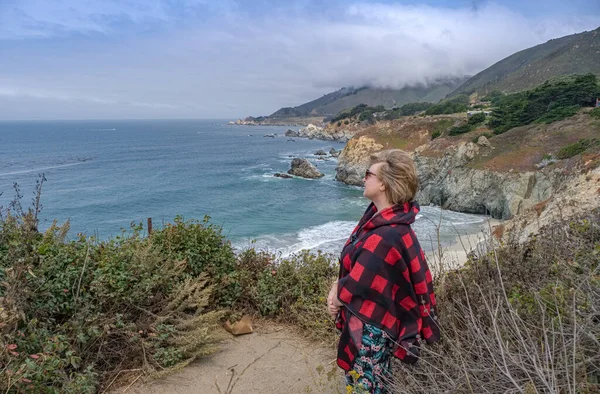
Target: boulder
x=320, y=152
x=291, y=133
x=334, y=153
x=280, y=175
x=303, y=168
x=483, y=141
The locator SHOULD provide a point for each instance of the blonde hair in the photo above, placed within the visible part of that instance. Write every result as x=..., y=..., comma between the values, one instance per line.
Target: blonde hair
x=398, y=174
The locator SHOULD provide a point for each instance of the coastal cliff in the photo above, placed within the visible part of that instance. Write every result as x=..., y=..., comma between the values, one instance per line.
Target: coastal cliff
x=501, y=176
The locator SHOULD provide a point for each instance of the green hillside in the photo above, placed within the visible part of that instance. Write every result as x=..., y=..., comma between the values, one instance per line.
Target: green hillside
x=333, y=103
x=574, y=54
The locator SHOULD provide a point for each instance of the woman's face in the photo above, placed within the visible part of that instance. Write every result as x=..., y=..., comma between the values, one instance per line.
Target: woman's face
x=373, y=186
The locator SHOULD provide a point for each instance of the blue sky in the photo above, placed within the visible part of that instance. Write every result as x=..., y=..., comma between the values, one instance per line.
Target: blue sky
x=94, y=59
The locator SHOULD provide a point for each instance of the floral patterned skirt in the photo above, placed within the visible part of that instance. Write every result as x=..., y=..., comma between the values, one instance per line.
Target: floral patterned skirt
x=371, y=367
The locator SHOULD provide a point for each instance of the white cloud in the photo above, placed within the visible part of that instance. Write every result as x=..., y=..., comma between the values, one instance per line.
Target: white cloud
x=237, y=64
x=21, y=93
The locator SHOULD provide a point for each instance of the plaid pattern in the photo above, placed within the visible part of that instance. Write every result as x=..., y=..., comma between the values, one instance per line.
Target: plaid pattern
x=384, y=281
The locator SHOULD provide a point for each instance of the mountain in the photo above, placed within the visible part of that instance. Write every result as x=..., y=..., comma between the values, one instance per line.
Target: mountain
x=574, y=54
x=332, y=103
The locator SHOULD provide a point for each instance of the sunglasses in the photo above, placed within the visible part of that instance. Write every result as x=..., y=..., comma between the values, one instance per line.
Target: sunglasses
x=369, y=173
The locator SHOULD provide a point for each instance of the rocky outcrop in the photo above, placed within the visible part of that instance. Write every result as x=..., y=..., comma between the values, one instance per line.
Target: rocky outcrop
x=577, y=195
x=303, y=168
x=320, y=152
x=451, y=184
x=315, y=132
x=354, y=160
x=447, y=181
x=334, y=153
x=291, y=133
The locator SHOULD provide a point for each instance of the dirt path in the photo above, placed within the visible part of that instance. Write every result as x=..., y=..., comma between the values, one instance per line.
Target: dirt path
x=273, y=359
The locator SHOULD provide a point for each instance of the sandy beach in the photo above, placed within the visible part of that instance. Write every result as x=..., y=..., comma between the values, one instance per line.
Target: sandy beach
x=453, y=256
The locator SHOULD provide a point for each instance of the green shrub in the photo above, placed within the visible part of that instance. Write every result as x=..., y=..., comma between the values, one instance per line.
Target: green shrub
x=461, y=129
x=554, y=100
x=477, y=119
x=595, y=113
x=440, y=127
x=292, y=290
x=346, y=121
x=204, y=248
x=558, y=113
x=449, y=106
x=493, y=97
x=576, y=148
x=75, y=313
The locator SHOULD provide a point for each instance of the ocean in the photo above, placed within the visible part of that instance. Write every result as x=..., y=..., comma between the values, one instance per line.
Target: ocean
x=103, y=176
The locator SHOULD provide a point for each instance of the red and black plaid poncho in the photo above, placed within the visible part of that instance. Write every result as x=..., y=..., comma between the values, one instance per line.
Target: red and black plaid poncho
x=384, y=281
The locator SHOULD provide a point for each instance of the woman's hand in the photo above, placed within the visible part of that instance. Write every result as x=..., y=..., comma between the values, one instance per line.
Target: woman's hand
x=333, y=304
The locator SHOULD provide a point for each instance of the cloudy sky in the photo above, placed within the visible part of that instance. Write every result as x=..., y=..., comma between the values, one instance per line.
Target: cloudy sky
x=123, y=59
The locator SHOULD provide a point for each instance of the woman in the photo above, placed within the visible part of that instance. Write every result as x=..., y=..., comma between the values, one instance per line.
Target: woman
x=383, y=298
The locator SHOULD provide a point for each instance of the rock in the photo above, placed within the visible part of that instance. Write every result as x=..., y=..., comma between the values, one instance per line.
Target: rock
x=291, y=133
x=334, y=153
x=320, y=152
x=328, y=134
x=483, y=141
x=310, y=131
x=448, y=182
x=269, y=135
x=573, y=197
x=280, y=175
x=303, y=168
x=354, y=160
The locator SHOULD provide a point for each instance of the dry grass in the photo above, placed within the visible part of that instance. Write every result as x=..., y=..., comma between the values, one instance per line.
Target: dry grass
x=519, y=319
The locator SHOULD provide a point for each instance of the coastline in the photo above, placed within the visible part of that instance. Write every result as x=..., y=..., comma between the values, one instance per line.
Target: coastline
x=454, y=255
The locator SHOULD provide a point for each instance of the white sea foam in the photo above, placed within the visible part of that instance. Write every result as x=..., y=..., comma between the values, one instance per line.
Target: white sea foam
x=328, y=237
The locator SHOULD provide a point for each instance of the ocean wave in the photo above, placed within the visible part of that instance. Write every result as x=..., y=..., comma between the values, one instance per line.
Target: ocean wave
x=328, y=237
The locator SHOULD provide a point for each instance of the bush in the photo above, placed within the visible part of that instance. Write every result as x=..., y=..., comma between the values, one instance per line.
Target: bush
x=440, y=127
x=449, y=106
x=558, y=113
x=554, y=100
x=73, y=314
x=477, y=119
x=520, y=318
x=407, y=110
x=493, y=97
x=461, y=129
x=576, y=148
x=595, y=113
x=293, y=290
x=205, y=250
